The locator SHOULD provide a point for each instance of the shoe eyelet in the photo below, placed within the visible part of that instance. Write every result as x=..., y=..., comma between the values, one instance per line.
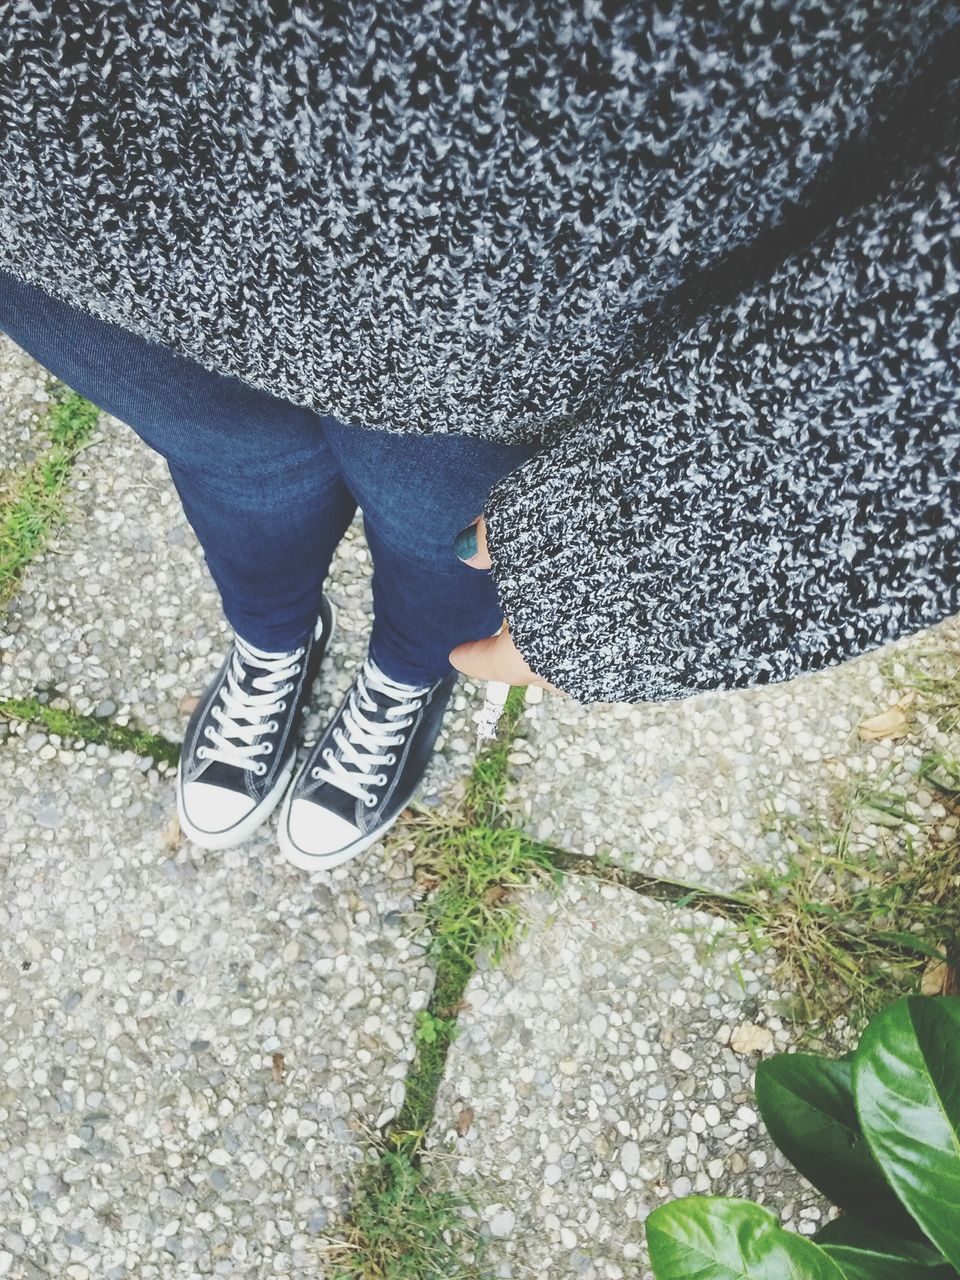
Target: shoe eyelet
x=272, y=727
x=327, y=754
x=201, y=753
x=380, y=779
x=208, y=731
x=370, y=801
x=314, y=773
x=261, y=769
x=281, y=706
x=266, y=748
x=391, y=758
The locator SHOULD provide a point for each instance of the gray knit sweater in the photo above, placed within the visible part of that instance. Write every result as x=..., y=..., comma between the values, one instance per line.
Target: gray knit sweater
x=705, y=255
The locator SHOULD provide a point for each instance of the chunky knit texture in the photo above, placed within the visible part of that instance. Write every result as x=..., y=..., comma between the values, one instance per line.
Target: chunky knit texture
x=706, y=256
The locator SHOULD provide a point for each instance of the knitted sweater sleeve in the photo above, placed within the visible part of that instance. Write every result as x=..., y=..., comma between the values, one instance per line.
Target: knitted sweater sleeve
x=776, y=490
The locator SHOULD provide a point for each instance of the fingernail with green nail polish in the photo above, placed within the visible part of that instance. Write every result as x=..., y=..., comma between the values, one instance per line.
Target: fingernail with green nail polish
x=465, y=543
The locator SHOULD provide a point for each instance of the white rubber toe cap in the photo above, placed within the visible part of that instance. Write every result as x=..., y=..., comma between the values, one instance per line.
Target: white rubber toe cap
x=318, y=832
x=213, y=809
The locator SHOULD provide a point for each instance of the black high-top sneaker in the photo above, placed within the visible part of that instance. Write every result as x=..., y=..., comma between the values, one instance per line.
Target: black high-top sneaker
x=363, y=770
x=240, y=746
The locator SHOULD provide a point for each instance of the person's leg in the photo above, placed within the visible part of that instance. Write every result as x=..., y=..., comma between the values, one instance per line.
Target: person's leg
x=258, y=481
x=417, y=493
x=263, y=491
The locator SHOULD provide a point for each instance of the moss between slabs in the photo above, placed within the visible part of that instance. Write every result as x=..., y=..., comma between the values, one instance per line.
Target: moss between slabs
x=72, y=727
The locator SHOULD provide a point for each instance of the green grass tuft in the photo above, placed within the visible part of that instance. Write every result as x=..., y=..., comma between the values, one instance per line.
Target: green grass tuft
x=35, y=507
x=402, y=1228
x=471, y=874
x=487, y=784
x=933, y=673
x=71, y=419
x=855, y=923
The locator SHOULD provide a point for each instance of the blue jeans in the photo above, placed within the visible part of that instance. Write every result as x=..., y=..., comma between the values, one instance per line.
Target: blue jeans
x=270, y=488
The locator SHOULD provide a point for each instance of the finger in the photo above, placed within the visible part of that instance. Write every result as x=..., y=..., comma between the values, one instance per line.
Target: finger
x=470, y=544
x=481, y=660
x=495, y=658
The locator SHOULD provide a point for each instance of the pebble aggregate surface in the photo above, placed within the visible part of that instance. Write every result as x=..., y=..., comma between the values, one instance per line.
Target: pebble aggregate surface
x=690, y=790
x=197, y=1049
x=594, y=1077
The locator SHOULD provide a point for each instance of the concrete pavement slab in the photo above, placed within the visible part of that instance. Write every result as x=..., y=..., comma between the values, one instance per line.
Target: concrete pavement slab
x=195, y=1049
x=593, y=1077
x=689, y=790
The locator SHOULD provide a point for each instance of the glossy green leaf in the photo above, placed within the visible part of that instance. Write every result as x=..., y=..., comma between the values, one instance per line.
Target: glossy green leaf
x=864, y=1252
x=807, y=1105
x=706, y=1238
x=906, y=1082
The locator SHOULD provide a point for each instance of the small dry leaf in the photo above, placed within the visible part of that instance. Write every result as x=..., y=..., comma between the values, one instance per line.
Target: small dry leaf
x=939, y=979
x=188, y=705
x=465, y=1120
x=171, y=833
x=453, y=1010
x=749, y=1038
x=892, y=723
x=279, y=1065
x=495, y=895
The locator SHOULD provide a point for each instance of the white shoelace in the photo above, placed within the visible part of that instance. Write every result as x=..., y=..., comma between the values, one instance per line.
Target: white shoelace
x=242, y=718
x=361, y=742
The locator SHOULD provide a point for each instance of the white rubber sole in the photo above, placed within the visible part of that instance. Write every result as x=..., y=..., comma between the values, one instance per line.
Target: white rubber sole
x=324, y=861
x=257, y=816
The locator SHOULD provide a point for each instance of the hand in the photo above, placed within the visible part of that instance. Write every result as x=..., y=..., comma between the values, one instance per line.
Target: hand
x=495, y=657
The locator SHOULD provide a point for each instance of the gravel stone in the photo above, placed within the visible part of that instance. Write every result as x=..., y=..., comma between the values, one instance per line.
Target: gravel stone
x=502, y=1223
